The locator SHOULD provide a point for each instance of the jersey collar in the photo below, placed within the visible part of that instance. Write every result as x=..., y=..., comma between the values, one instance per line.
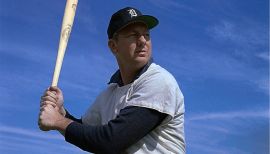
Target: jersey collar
x=116, y=77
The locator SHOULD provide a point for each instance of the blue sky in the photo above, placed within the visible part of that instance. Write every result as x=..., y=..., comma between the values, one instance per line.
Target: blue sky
x=218, y=51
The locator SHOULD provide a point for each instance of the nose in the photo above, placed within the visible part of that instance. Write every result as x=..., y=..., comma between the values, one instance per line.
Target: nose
x=141, y=40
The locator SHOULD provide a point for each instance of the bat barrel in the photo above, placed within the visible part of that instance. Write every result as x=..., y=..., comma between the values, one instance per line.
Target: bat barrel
x=67, y=23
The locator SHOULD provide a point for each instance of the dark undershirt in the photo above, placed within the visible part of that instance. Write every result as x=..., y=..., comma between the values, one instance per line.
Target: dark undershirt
x=69, y=116
x=132, y=124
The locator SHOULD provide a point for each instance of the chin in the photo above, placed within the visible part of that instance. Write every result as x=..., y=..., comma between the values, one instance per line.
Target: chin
x=141, y=61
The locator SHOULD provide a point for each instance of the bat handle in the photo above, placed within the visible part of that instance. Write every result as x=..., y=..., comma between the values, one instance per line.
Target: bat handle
x=57, y=68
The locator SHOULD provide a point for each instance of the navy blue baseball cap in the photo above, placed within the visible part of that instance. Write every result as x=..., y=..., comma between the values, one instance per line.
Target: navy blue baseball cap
x=128, y=15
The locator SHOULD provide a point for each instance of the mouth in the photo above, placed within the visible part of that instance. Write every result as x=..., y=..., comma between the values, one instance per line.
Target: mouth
x=140, y=51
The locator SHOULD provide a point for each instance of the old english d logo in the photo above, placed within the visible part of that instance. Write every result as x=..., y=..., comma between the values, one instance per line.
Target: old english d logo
x=132, y=13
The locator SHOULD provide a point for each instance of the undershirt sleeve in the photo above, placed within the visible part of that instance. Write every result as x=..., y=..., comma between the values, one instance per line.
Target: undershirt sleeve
x=69, y=116
x=132, y=124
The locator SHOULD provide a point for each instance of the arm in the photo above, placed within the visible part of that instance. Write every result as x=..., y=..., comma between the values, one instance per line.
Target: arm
x=126, y=129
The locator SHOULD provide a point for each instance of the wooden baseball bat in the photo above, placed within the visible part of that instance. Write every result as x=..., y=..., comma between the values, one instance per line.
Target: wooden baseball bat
x=67, y=23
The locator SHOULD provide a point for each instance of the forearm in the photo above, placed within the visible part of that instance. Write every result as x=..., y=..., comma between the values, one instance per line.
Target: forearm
x=62, y=124
x=120, y=133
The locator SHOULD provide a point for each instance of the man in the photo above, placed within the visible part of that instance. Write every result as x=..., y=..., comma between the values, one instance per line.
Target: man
x=142, y=109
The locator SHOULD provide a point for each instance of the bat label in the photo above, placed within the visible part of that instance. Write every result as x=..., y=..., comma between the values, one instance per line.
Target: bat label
x=66, y=32
x=74, y=7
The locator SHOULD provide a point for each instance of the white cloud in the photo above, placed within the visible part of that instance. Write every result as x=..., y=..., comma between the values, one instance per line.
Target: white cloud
x=213, y=132
x=225, y=30
x=264, y=56
x=170, y=5
x=234, y=56
x=263, y=85
x=29, y=53
x=244, y=33
x=29, y=132
x=16, y=138
x=203, y=63
x=230, y=115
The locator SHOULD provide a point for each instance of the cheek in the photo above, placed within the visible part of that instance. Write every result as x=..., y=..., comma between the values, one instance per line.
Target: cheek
x=129, y=49
x=149, y=46
x=127, y=46
x=126, y=50
x=132, y=47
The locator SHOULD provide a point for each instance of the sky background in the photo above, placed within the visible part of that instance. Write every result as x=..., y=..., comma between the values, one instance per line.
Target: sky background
x=218, y=51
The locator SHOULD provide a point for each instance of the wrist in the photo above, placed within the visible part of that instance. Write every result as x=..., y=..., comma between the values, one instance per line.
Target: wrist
x=62, y=124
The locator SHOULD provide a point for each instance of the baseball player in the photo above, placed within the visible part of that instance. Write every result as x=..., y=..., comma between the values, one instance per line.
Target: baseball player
x=141, y=110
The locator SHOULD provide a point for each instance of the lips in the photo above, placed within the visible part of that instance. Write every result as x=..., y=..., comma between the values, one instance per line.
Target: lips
x=140, y=51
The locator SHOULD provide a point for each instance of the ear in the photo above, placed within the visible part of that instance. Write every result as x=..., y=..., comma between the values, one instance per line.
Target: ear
x=112, y=45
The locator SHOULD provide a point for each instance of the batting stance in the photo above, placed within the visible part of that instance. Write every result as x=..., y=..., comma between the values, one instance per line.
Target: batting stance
x=142, y=109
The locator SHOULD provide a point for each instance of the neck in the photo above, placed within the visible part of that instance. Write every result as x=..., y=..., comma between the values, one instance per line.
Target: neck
x=128, y=74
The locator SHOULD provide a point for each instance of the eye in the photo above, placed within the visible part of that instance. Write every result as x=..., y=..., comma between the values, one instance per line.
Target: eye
x=138, y=35
x=133, y=35
x=146, y=36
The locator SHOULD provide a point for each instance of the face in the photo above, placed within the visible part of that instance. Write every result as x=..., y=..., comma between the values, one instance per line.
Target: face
x=132, y=46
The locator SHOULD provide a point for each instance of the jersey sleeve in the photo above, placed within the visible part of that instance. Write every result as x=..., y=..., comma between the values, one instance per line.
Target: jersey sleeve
x=157, y=90
x=92, y=116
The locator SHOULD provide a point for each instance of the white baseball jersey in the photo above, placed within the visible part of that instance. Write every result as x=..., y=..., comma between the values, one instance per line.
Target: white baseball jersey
x=156, y=89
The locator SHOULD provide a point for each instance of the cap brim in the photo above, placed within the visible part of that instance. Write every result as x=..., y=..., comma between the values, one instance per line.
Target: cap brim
x=150, y=21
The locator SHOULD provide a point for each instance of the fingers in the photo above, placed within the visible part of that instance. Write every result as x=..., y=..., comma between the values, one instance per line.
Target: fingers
x=55, y=89
x=48, y=98
x=48, y=117
x=40, y=124
x=43, y=117
x=54, y=93
x=49, y=93
x=44, y=103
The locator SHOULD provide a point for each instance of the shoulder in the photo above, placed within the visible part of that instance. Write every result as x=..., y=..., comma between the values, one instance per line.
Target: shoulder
x=156, y=89
x=102, y=97
x=156, y=76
